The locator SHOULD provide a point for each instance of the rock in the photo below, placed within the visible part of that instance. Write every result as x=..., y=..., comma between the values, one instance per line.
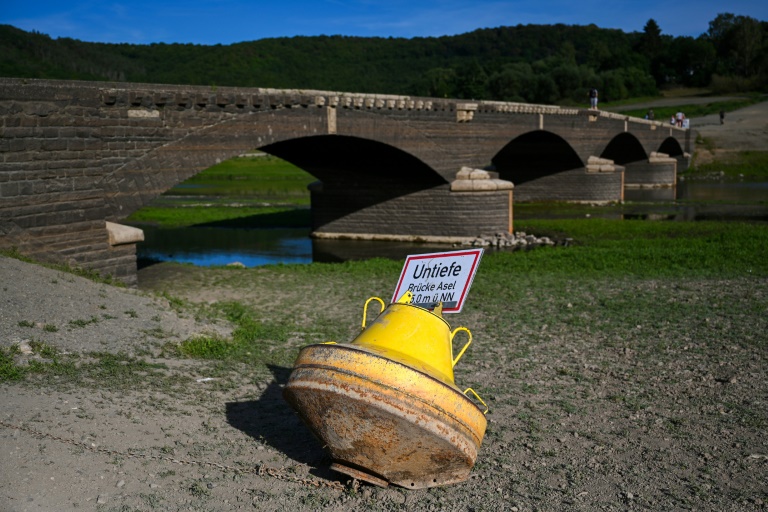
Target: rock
x=102, y=499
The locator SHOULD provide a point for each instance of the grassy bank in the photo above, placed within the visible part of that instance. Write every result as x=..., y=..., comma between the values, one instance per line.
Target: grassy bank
x=601, y=272
x=260, y=177
x=741, y=164
x=248, y=191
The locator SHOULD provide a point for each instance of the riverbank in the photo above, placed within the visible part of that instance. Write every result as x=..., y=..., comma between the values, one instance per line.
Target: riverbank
x=619, y=377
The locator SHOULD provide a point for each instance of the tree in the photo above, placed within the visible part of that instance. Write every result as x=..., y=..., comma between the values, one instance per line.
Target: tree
x=651, y=43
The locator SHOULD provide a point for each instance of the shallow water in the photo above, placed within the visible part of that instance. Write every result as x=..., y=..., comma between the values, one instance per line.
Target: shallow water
x=210, y=246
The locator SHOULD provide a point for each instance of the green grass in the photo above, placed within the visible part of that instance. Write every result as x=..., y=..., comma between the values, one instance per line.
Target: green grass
x=250, y=192
x=239, y=216
x=100, y=370
x=253, y=340
x=645, y=249
x=264, y=178
x=78, y=271
x=750, y=164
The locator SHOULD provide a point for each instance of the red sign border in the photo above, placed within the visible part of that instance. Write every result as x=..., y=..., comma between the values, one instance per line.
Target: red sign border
x=478, y=253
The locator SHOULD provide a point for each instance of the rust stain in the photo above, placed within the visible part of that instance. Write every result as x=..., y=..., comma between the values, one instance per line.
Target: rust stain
x=354, y=403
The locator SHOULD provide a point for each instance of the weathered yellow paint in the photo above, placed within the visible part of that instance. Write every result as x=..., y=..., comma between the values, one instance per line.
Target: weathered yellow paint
x=414, y=336
x=376, y=414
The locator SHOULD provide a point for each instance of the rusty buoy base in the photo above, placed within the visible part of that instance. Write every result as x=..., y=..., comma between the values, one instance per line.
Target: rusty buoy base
x=382, y=421
x=359, y=474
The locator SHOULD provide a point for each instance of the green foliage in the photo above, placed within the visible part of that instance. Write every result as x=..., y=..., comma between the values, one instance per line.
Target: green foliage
x=533, y=63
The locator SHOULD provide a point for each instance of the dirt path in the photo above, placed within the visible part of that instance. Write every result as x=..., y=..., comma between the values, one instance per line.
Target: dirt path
x=744, y=129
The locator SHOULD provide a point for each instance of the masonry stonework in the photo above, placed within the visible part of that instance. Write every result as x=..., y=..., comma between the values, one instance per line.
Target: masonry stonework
x=76, y=155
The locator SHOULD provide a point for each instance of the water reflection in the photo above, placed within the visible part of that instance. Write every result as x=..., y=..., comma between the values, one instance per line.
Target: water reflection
x=741, y=191
x=699, y=200
x=210, y=246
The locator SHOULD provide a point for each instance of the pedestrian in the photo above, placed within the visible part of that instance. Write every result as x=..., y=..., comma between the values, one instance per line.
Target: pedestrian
x=650, y=114
x=593, y=98
x=679, y=118
x=722, y=117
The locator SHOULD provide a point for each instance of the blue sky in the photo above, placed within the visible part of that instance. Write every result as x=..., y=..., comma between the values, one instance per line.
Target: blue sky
x=232, y=21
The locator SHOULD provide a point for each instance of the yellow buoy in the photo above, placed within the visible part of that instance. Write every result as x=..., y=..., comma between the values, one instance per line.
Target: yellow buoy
x=382, y=421
x=413, y=336
x=386, y=405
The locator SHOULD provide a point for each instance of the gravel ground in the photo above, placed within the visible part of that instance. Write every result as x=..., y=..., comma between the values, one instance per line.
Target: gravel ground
x=673, y=420
x=58, y=304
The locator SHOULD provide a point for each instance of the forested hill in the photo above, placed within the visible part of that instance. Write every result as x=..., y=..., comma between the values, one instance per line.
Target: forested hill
x=534, y=63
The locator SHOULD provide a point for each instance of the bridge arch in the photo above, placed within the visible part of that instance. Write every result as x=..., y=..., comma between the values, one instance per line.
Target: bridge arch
x=534, y=155
x=354, y=174
x=389, y=147
x=623, y=149
x=349, y=162
x=671, y=147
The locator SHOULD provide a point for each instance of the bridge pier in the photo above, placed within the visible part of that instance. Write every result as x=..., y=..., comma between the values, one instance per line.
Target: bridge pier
x=659, y=171
x=600, y=181
x=475, y=203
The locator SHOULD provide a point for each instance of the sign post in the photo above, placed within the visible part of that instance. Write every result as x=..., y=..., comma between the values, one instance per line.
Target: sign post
x=439, y=277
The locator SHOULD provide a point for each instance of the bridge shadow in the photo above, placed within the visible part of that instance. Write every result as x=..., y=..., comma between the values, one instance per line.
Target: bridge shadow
x=296, y=218
x=270, y=421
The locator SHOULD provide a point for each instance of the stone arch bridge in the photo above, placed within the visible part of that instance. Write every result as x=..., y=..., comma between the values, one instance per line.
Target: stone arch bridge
x=77, y=157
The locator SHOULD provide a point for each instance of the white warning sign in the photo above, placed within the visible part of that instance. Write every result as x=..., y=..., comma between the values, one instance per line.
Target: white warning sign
x=439, y=277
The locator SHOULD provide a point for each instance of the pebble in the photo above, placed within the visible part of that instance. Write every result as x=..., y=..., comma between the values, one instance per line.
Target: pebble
x=102, y=499
x=509, y=240
x=121, y=483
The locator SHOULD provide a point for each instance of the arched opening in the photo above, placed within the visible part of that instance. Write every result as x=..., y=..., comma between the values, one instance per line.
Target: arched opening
x=623, y=149
x=352, y=163
x=534, y=155
x=671, y=147
x=355, y=174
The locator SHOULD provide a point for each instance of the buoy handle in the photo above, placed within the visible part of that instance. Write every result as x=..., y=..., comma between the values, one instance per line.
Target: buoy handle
x=456, y=360
x=365, y=308
x=478, y=397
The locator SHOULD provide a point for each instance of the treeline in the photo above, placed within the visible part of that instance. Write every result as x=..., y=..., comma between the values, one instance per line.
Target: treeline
x=531, y=63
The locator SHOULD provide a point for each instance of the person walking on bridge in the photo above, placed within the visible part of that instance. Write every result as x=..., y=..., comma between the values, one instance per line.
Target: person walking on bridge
x=593, y=98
